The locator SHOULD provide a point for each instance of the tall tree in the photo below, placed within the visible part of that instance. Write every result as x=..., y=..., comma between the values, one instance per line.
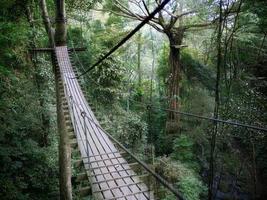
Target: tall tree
x=217, y=99
x=58, y=37
x=173, y=21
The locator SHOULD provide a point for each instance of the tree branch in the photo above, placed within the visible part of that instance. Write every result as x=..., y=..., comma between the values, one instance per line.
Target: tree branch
x=198, y=25
x=147, y=10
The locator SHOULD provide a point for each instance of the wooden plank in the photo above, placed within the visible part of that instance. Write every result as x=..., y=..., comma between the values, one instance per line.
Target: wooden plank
x=123, y=185
x=114, y=171
x=133, y=194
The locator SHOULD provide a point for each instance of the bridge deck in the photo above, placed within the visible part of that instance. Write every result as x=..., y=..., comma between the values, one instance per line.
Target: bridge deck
x=109, y=173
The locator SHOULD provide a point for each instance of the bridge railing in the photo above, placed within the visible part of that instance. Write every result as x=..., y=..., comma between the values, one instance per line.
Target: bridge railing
x=77, y=113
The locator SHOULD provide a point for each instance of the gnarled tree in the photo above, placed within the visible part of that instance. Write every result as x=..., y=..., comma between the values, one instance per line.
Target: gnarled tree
x=173, y=21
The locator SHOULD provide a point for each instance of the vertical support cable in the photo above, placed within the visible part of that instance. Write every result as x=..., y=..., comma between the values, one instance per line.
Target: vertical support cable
x=83, y=114
x=73, y=115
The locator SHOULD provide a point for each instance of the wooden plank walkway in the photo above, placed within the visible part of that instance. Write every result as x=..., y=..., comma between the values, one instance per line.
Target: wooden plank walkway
x=109, y=173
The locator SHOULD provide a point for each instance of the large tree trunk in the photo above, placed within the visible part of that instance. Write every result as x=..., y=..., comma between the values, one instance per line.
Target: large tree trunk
x=175, y=37
x=64, y=147
x=61, y=23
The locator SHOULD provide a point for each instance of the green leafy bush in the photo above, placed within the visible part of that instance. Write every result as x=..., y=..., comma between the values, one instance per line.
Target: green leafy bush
x=187, y=181
x=183, y=149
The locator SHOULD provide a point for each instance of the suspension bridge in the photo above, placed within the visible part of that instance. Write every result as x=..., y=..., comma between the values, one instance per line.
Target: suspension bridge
x=109, y=174
x=108, y=171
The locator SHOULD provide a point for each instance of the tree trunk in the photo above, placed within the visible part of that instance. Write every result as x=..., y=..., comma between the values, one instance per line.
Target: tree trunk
x=139, y=68
x=175, y=38
x=64, y=147
x=47, y=23
x=61, y=25
x=254, y=170
x=139, y=45
x=151, y=137
x=217, y=104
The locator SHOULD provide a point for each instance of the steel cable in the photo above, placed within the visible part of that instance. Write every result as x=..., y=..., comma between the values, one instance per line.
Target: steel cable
x=127, y=37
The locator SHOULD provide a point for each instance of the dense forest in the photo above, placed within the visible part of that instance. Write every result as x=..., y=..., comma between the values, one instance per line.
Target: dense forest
x=160, y=94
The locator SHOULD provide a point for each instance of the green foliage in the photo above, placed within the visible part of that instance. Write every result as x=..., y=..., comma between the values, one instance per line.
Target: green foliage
x=108, y=78
x=259, y=8
x=80, y=5
x=196, y=99
x=25, y=166
x=196, y=71
x=109, y=4
x=163, y=66
x=185, y=179
x=127, y=127
x=131, y=130
x=12, y=9
x=75, y=38
x=183, y=149
x=115, y=22
x=191, y=187
x=28, y=169
x=13, y=39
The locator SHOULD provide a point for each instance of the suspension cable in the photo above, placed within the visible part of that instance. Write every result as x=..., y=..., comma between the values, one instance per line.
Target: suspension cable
x=127, y=37
x=234, y=123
